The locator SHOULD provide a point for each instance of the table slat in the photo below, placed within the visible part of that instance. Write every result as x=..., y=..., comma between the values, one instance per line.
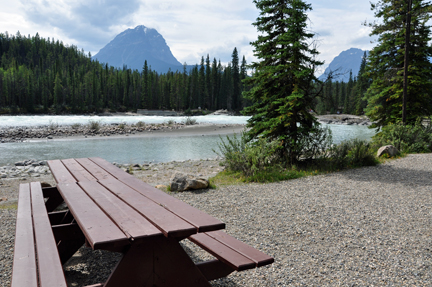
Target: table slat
x=201, y=220
x=50, y=268
x=223, y=252
x=95, y=170
x=24, y=272
x=128, y=219
x=98, y=228
x=60, y=172
x=255, y=255
x=170, y=224
x=79, y=172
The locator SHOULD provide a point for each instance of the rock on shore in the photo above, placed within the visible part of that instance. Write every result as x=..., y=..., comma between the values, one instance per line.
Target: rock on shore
x=20, y=134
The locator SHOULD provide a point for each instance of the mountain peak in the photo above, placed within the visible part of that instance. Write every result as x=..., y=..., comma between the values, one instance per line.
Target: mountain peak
x=133, y=47
x=345, y=62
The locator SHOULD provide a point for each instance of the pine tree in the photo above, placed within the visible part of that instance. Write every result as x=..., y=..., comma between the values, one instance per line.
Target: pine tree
x=387, y=60
x=360, y=88
x=283, y=79
x=236, y=80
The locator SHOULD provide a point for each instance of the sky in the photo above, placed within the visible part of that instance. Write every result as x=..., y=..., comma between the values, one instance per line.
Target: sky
x=191, y=28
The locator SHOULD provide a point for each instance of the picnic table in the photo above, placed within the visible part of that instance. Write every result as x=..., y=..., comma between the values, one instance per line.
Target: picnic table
x=112, y=210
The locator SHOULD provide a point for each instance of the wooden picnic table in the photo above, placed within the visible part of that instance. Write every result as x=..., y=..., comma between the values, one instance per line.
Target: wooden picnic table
x=112, y=210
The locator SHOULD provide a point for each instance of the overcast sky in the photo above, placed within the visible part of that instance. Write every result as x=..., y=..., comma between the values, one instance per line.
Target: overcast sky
x=192, y=28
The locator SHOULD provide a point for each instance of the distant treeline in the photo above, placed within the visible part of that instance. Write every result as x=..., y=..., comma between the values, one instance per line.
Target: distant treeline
x=40, y=75
x=345, y=97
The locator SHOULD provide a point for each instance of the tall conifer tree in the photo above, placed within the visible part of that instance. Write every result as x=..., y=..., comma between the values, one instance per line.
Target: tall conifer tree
x=282, y=92
x=386, y=62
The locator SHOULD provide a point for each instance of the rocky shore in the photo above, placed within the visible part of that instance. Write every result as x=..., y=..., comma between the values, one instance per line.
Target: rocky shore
x=344, y=119
x=20, y=134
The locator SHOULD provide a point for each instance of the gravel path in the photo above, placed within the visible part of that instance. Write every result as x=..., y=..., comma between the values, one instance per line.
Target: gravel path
x=361, y=227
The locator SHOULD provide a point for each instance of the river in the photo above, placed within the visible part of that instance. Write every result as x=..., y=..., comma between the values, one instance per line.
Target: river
x=132, y=150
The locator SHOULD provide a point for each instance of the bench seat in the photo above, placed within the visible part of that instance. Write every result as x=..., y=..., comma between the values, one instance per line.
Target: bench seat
x=232, y=253
x=36, y=258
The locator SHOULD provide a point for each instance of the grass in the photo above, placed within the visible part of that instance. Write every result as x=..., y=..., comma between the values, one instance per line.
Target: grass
x=9, y=206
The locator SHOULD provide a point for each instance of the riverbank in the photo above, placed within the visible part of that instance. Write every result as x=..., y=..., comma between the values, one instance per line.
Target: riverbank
x=368, y=227
x=344, y=119
x=55, y=132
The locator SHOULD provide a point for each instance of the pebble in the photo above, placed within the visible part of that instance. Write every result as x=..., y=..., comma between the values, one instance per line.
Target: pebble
x=362, y=227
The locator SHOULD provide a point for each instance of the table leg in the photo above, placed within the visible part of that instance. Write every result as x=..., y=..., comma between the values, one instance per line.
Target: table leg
x=156, y=262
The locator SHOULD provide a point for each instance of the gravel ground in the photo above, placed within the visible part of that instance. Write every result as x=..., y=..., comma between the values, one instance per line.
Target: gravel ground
x=361, y=227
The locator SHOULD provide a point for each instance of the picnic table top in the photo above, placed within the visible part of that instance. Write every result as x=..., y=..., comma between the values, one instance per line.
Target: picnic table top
x=114, y=209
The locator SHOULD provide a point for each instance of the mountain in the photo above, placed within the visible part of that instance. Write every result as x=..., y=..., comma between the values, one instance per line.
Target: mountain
x=346, y=61
x=133, y=46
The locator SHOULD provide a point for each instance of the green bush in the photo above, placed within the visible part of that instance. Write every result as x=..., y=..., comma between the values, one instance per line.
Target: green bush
x=190, y=121
x=76, y=126
x=353, y=153
x=140, y=124
x=415, y=138
x=248, y=157
x=94, y=125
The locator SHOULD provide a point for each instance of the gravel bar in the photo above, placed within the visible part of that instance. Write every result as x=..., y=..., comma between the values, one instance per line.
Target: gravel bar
x=361, y=227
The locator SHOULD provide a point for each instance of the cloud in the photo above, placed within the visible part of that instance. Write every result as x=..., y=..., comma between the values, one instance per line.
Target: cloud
x=86, y=22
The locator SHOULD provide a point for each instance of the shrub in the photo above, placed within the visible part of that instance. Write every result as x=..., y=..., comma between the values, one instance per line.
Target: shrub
x=248, y=157
x=140, y=124
x=415, y=138
x=353, y=153
x=94, y=125
x=76, y=126
x=52, y=126
x=122, y=126
x=170, y=122
x=190, y=121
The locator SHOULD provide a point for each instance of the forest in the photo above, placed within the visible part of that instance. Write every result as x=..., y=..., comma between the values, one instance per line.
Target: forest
x=40, y=75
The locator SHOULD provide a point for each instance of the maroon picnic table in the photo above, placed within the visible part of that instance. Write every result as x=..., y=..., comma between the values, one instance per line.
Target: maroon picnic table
x=117, y=212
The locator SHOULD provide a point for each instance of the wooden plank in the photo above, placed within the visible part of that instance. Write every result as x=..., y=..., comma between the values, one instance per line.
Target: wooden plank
x=170, y=224
x=222, y=252
x=255, y=255
x=77, y=170
x=24, y=272
x=110, y=168
x=128, y=219
x=95, y=170
x=98, y=228
x=201, y=220
x=49, y=264
x=60, y=172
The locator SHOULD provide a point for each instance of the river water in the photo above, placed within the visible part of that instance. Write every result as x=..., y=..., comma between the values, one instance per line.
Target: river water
x=132, y=150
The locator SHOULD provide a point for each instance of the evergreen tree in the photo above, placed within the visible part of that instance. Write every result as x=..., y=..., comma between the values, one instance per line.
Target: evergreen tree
x=387, y=60
x=360, y=88
x=236, y=80
x=283, y=79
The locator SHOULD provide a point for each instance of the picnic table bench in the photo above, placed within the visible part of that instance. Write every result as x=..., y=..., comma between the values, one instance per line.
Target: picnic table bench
x=112, y=210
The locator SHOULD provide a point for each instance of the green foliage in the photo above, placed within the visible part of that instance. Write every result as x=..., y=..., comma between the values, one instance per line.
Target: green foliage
x=170, y=122
x=53, y=125
x=140, y=124
x=247, y=157
x=415, y=138
x=258, y=161
x=42, y=76
x=190, y=121
x=94, y=125
x=122, y=126
x=353, y=153
x=282, y=90
x=76, y=126
x=386, y=61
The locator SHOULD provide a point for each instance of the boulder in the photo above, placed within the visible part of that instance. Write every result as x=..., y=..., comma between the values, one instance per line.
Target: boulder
x=181, y=182
x=390, y=150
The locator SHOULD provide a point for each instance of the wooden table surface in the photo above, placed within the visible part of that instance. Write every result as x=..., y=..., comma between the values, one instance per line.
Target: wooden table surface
x=113, y=208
